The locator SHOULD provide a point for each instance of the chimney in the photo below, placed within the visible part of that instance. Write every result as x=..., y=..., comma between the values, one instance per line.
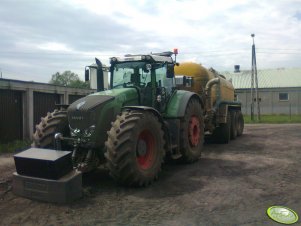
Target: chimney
x=236, y=68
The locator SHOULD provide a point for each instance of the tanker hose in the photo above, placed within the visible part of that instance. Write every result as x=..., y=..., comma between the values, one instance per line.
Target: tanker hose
x=209, y=85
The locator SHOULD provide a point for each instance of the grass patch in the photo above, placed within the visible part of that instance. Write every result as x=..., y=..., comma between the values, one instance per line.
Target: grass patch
x=14, y=146
x=274, y=119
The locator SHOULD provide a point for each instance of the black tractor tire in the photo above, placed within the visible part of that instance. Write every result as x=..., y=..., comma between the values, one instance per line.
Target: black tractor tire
x=233, y=130
x=54, y=122
x=222, y=133
x=240, y=123
x=192, y=132
x=135, y=148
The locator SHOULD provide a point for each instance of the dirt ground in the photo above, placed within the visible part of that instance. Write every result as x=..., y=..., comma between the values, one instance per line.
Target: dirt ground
x=231, y=184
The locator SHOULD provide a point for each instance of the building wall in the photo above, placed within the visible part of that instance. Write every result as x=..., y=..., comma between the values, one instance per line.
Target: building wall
x=30, y=91
x=270, y=103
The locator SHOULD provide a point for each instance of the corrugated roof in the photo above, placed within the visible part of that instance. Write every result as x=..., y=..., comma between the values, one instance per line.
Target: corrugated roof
x=267, y=78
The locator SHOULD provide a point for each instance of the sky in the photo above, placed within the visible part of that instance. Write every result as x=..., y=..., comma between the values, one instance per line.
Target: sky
x=41, y=37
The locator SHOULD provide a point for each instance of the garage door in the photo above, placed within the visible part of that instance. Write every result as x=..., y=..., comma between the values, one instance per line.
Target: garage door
x=11, y=123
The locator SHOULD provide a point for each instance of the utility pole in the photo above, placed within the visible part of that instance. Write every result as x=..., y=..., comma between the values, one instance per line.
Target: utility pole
x=1, y=72
x=254, y=75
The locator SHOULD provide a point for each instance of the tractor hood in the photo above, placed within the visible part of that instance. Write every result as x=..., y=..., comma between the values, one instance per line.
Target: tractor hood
x=101, y=106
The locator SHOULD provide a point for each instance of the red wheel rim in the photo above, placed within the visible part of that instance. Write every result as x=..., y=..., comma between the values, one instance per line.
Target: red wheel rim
x=194, y=131
x=145, y=157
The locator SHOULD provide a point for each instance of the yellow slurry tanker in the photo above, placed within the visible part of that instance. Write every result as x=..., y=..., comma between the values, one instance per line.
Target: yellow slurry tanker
x=222, y=114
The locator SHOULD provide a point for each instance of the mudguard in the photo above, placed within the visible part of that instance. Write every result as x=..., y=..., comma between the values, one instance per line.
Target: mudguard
x=177, y=105
x=222, y=109
x=144, y=108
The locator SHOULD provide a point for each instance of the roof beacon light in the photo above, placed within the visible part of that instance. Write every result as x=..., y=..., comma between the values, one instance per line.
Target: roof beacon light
x=175, y=51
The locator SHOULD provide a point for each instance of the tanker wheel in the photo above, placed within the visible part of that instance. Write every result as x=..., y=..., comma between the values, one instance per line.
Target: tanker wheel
x=233, y=129
x=135, y=148
x=222, y=133
x=240, y=123
x=192, y=132
x=54, y=122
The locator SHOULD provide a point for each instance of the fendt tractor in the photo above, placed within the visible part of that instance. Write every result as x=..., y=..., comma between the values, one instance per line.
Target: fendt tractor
x=152, y=109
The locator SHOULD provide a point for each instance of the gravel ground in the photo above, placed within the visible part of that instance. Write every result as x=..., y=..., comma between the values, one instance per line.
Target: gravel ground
x=231, y=184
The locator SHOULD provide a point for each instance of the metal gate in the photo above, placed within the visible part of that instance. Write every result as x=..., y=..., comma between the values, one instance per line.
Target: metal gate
x=11, y=116
x=43, y=103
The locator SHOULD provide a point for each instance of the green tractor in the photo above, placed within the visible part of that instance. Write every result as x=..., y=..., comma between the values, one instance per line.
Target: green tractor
x=132, y=126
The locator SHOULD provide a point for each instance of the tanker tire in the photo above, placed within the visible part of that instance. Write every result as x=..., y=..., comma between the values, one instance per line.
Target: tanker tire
x=192, y=132
x=54, y=122
x=128, y=164
x=240, y=123
x=233, y=129
x=222, y=133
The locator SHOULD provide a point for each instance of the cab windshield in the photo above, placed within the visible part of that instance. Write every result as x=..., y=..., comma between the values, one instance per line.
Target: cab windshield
x=139, y=74
x=130, y=74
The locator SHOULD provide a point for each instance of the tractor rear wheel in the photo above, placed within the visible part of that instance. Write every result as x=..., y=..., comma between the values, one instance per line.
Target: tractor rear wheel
x=240, y=123
x=192, y=132
x=54, y=122
x=135, y=148
x=222, y=133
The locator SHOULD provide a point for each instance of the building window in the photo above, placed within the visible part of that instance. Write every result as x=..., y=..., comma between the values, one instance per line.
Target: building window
x=283, y=96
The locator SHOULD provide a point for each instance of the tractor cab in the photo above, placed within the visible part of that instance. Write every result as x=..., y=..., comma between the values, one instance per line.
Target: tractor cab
x=151, y=75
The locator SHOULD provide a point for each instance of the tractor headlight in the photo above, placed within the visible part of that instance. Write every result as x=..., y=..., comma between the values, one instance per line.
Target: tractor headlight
x=74, y=132
x=89, y=132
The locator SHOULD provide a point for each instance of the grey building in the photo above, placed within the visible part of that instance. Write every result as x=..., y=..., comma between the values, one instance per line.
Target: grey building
x=279, y=90
x=22, y=104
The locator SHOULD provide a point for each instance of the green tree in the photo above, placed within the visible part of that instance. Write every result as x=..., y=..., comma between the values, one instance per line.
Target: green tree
x=68, y=78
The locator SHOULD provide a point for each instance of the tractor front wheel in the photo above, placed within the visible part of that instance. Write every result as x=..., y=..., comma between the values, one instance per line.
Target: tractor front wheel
x=54, y=122
x=135, y=148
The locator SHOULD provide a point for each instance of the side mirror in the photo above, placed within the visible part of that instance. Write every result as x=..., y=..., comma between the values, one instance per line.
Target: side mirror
x=170, y=72
x=87, y=75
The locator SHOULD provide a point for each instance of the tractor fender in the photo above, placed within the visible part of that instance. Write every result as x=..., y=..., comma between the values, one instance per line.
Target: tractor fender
x=223, y=107
x=176, y=107
x=145, y=108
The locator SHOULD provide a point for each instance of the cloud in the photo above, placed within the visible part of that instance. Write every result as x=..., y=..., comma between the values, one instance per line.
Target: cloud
x=42, y=37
